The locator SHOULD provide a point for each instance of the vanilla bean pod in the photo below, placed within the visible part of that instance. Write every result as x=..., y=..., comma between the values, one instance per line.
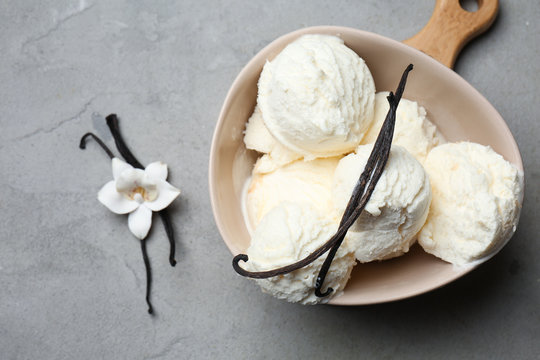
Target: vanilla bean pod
x=165, y=219
x=112, y=123
x=380, y=153
x=148, y=275
x=82, y=143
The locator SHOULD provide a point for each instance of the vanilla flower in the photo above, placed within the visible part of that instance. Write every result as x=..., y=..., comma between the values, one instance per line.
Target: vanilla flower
x=138, y=192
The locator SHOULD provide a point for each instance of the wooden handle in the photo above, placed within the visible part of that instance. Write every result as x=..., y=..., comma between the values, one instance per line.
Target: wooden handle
x=451, y=27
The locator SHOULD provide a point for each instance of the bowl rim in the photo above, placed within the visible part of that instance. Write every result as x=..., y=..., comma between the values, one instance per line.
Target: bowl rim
x=402, y=48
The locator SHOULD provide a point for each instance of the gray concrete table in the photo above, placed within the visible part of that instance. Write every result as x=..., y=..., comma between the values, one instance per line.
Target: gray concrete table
x=71, y=274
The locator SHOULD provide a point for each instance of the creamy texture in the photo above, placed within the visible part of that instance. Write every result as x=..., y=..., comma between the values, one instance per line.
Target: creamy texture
x=300, y=181
x=413, y=130
x=317, y=97
x=258, y=138
x=476, y=202
x=287, y=234
x=396, y=210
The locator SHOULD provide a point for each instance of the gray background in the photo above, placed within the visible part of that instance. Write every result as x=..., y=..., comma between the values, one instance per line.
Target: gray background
x=71, y=274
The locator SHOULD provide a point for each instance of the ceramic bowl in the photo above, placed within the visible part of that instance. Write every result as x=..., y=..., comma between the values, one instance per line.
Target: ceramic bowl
x=458, y=110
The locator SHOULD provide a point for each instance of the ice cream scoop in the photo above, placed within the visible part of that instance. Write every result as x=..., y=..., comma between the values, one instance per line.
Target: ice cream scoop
x=413, y=129
x=300, y=181
x=476, y=202
x=396, y=210
x=317, y=96
x=288, y=233
x=258, y=138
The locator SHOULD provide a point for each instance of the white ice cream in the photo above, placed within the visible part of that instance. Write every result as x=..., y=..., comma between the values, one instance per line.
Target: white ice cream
x=258, y=138
x=300, y=182
x=476, y=202
x=287, y=234
x=396, y=210
x=317, y=97
x=413, y=130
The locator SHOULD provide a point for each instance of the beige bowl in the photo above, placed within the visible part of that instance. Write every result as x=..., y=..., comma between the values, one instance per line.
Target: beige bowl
x=458, y=110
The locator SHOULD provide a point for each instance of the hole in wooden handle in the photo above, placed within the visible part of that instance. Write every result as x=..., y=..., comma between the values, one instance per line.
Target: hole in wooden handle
x=469, y=5
x=451, y=27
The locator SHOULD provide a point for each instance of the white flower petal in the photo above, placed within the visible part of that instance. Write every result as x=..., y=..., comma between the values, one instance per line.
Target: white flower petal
x=150, y=187
x=148, y=183
x=118, y=166
x=139, y=221
x=129, y=179
x=157, y=170
x=166, y=194
x=115, y=201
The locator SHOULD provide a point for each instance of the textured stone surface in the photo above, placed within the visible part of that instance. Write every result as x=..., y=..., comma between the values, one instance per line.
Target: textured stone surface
x=72, y=278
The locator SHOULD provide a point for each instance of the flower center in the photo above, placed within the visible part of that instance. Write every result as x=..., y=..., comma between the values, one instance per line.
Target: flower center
x=138, y=190
x=140, y=194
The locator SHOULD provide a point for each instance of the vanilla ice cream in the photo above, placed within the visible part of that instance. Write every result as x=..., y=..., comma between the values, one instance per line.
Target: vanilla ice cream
x=317, y=97
x=300, y=182
x=476, y=202
x=413, y=130
x=258, y=138
x=396, y=210
x=287, y=234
